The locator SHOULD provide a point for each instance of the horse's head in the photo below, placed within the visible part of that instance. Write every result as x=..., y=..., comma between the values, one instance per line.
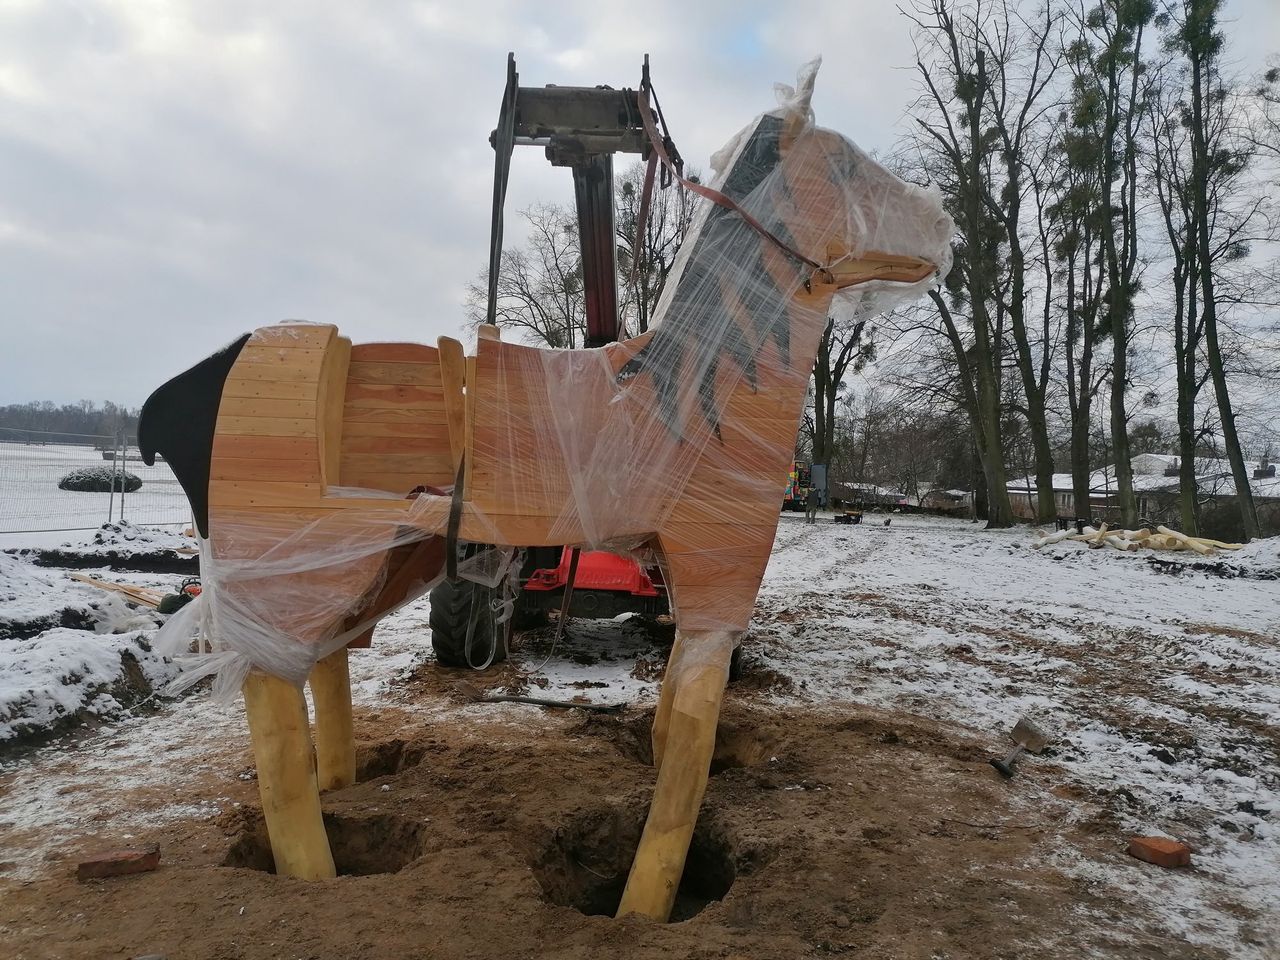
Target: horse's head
x=836, y=206
x=825, y=212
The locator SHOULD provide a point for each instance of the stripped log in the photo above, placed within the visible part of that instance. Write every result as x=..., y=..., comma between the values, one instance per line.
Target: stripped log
x=277, y=714
x=1050, y=538
x=1122, y=544
x=330, y=683
x=1190, y=543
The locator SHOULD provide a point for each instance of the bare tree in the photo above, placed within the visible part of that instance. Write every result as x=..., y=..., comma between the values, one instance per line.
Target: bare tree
x=1106, y=55
x=956, y=150
x=1214, y=161
x=1171, y=171
x=540, y=284
x=1264, y=127
x=670, y=216
x=1022, y=62
x=842, y=349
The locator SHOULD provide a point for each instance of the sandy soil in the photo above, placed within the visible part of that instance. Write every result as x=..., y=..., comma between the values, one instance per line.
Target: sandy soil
x=851, y=809
x=822, y=833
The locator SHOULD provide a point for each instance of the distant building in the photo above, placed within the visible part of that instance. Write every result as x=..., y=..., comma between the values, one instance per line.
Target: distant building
x=959, y=502
x=865, y=495
x=1155, y=484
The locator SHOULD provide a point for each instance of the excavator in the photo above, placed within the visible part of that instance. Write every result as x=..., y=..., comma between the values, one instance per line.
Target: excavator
x=580, y=128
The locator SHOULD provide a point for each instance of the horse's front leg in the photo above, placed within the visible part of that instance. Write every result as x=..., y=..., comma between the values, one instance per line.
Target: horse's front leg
x=277, y=715
x=692, y=692
x=666, y=697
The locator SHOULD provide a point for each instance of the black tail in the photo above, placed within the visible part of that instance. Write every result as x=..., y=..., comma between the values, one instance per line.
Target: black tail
x=178, y=421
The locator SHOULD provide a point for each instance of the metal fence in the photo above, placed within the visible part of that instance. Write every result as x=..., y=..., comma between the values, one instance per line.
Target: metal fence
x=32, y=463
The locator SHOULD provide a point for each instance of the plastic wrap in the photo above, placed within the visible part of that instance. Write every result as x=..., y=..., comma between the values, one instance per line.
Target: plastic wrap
x=678, y=441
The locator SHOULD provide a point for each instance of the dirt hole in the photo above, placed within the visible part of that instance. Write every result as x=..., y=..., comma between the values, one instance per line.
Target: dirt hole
x=738, y=745
x=586, y=863
x=387, y=759
x=362, y=846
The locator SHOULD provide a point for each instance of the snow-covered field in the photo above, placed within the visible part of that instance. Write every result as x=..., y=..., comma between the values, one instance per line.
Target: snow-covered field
x=31, y=501
x=1162, y=694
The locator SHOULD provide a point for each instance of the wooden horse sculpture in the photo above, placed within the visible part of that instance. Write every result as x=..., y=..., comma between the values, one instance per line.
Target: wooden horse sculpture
x=297, y=450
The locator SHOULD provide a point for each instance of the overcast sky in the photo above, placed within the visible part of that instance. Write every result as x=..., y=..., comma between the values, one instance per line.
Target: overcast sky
x=173, y=174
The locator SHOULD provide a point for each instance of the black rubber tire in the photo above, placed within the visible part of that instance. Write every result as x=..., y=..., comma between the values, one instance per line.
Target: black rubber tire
x=529, y=618
x=451, y=606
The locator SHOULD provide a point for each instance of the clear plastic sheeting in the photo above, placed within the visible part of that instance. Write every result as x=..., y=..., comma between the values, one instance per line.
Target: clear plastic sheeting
x=675, y=444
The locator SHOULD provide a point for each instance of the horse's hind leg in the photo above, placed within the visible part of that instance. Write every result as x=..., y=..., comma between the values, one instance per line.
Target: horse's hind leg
x=330, y=683
x=277, y=714
x=696, y=676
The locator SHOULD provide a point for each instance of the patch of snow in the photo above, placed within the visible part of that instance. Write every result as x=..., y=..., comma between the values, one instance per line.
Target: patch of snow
x=62, y=673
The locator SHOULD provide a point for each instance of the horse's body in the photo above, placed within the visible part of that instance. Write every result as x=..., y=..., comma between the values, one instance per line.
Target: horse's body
x=678, y=441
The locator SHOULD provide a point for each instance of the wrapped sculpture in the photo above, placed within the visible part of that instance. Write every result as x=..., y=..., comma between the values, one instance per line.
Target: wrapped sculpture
x=298, y=450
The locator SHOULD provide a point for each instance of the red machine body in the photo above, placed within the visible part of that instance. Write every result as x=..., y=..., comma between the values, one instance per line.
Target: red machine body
x=597, y=570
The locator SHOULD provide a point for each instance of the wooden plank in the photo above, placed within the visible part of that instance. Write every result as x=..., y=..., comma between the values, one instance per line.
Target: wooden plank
x=281, y=356
x=142, y=595
x=266, y=407
x=394, y=353
x=294, y=335
x=421, y=374
x=416, y=447
x=273, y=373
x=453, y=376
x=396, y=462
x=469, y=424
x=268, y=426
x=391, y=481
x=436, y=431
x=268, y=389
x=396, y=416
x=389, y=509
x=249, y=493
x=329, y=394
x=390, y=394
x=235, y=468
x=265, y=448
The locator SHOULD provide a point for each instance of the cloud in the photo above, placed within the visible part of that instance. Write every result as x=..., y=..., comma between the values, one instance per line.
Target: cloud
x=176, y=173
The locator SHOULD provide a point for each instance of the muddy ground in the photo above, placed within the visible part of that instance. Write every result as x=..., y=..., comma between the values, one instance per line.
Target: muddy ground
x=834, y=832
x=851, y=809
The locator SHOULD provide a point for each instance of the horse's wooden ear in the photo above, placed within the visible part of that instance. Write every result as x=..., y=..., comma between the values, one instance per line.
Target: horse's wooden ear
x=793, y=125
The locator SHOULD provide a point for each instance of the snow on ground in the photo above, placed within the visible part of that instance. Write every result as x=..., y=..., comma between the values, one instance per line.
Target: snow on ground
x=68, y=651
x=31, y=501
x=1162, y=693
x=64, y=673
x=128, y=539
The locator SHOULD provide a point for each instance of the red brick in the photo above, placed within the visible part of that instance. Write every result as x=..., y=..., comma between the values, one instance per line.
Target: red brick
x=117, y=863
x=1161, y=851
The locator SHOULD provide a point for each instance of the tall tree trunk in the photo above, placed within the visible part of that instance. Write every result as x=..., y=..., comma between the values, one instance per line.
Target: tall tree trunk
x=1119, y=264
x=1046, y=507
x=1125, y=501
x=1199, y=55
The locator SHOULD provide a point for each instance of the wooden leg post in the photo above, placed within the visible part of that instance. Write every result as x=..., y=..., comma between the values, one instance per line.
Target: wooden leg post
x=335, y=735
x=666, y=696
x=277, y=714
x=700, y=671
